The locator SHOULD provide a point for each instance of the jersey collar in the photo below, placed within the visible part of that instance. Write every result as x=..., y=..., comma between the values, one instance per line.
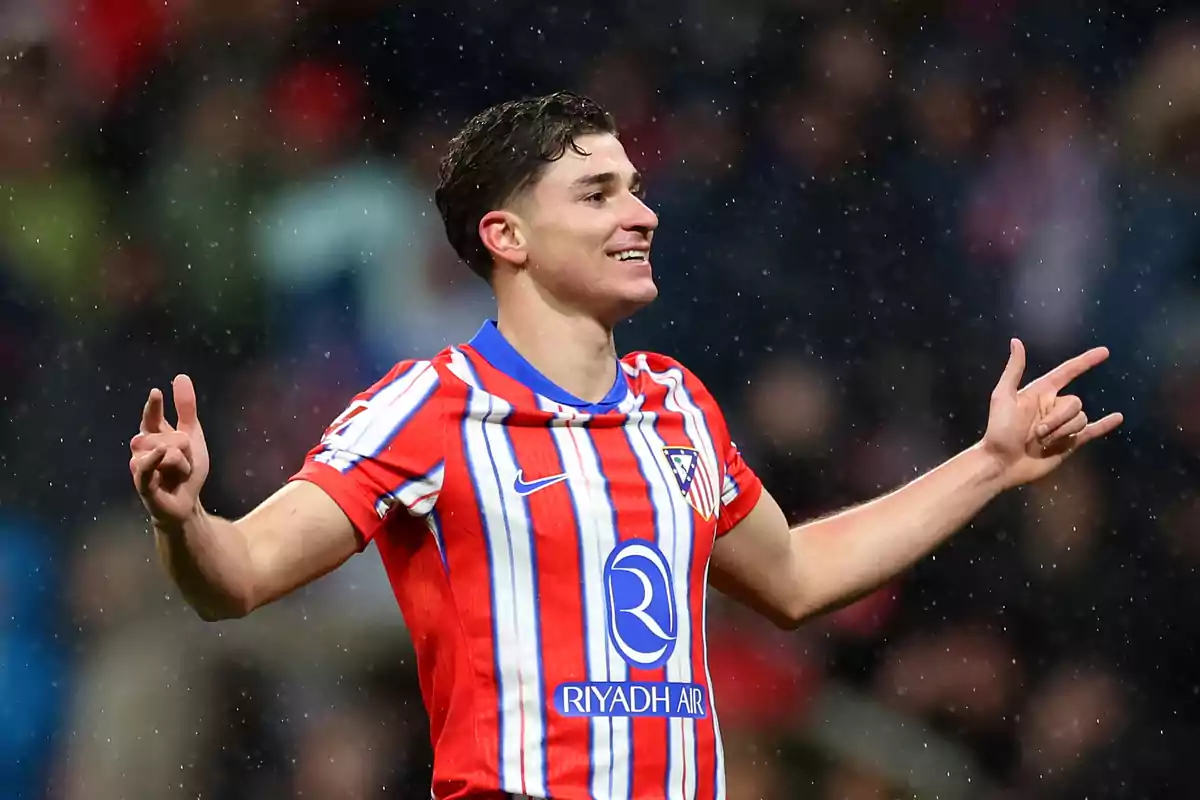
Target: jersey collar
x=497, y=351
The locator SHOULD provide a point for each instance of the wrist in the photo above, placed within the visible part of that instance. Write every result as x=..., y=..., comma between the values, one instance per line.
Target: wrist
x=177, y=527
x=988, y=468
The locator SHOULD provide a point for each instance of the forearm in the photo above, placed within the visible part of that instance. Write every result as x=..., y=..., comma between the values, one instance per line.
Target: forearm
x=847, y=555
x=208, y=558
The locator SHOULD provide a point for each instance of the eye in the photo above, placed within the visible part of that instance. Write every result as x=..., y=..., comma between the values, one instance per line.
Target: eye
x=594, y=198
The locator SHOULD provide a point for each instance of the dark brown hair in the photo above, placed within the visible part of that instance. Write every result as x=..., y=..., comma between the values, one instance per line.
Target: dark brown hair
x=502, y=151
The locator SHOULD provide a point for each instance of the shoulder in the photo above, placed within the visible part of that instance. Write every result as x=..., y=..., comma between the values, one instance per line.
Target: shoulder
x=647, y=361
x=417, y=375
x=651, y=373
x=656, y=367
x=406, y=379
x=405, y=389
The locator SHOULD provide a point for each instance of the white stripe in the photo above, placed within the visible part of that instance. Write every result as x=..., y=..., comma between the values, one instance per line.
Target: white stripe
x=363, y=430
x=702, y=486
x=387, y=412
x=730, y=492
x=679, y=401
x=400, y=385
x=611, y=751
x=673, y=522
x=419, y=496
x=713, y=489
x=461, y=368
x=504, y=606
x=509, y=538
x=631, y=403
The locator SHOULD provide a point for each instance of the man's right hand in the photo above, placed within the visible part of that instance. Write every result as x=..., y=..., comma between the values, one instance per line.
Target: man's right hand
x=170, y=464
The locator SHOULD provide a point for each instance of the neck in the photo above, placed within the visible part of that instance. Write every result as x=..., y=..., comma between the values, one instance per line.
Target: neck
x=576, y=352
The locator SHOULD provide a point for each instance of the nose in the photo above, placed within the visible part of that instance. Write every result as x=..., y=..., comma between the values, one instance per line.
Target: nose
x=640, y=217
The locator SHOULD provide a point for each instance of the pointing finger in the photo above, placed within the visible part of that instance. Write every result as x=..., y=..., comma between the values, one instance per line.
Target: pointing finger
x=1069, y=370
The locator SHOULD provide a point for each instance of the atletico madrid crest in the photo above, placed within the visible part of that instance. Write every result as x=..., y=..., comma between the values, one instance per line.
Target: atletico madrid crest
x=694, y=479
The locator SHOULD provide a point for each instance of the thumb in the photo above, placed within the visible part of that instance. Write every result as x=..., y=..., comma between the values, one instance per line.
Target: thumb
x=1010, y=381
x=185, y=403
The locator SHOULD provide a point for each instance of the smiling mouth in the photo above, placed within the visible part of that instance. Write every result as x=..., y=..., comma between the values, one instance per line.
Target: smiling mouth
x=631, y=256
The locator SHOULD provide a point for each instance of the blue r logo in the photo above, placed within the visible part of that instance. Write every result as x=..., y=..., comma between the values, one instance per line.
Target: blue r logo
x=642, y=619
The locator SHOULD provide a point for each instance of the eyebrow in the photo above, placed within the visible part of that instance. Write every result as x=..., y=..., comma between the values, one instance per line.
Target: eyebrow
x=606, y=179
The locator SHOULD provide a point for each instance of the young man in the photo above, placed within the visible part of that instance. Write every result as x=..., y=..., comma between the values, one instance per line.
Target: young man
x=549, y=514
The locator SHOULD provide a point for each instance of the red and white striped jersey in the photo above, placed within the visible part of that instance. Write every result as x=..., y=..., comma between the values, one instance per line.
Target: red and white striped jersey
x=550, y=558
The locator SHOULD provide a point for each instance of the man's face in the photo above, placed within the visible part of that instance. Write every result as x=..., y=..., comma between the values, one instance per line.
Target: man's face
x=588, y=232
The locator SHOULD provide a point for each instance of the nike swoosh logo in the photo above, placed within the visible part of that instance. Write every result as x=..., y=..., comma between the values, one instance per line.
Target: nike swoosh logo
x=521, y=487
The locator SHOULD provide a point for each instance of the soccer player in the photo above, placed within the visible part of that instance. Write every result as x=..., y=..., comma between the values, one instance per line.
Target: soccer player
x=550, y=515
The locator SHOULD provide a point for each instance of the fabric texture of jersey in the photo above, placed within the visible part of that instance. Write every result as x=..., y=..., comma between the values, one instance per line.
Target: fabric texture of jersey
x=550, y=557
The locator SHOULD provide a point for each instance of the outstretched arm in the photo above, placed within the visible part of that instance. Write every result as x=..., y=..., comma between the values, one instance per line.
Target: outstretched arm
x=793, y=574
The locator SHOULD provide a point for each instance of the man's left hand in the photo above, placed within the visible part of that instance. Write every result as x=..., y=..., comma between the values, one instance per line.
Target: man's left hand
x=1032, y=430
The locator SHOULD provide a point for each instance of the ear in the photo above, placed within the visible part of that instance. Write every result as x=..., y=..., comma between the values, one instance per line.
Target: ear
x=501, y=234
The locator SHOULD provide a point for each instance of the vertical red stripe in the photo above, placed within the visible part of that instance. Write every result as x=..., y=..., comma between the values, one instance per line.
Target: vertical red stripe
x=464, y=725
x=516, y=427
x=560, y=596
x=631, y=498
x=560, y=577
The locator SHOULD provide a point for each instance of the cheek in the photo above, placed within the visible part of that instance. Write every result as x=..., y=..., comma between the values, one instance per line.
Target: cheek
x=567, y=269
x=572, y=230
x=569, y=253
x=575, y=251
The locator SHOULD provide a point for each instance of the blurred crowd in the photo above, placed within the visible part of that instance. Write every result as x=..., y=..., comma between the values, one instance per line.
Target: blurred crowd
x=861, y=202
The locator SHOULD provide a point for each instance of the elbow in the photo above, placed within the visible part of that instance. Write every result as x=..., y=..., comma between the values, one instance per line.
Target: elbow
x=224, y=608
x=782, y=616
x=791, y=620
x=787, y=611
x=796, y=614
x=807, y=608
x=219, y=614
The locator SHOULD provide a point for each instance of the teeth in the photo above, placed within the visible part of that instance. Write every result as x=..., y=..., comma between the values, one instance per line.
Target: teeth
x=630, y=255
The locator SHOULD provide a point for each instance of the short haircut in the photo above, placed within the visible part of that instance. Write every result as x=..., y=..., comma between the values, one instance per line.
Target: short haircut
x=502, y=151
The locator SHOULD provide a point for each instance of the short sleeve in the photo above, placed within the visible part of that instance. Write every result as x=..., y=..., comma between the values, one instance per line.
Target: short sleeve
x=740, y=491
x=385, y=451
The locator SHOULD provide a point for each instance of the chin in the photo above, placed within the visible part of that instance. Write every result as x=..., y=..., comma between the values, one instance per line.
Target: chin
x=640, y=291
x=646, y=291
x=634, y=299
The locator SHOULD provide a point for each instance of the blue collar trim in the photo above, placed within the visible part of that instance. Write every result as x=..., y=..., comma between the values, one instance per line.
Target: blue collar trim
x=497, y=351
